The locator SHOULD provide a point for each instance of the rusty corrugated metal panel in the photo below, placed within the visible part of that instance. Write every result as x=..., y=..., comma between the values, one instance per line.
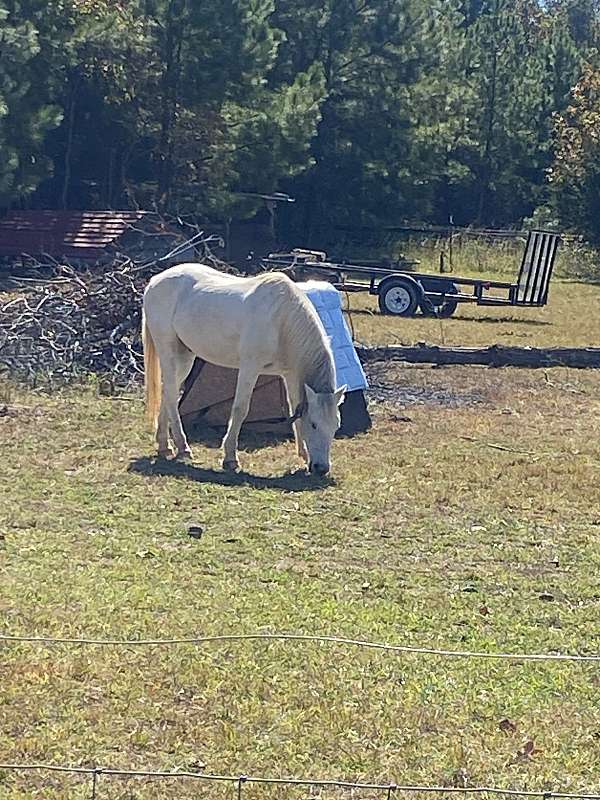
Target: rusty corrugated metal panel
x=79, y=234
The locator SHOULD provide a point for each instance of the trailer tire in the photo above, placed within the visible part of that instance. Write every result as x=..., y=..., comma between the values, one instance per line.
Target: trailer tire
x=399, y=297
x=448, y=308
x=442, y=311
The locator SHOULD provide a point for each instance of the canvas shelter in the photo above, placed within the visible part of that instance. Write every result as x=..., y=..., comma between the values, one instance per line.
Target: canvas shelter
x=209, y=390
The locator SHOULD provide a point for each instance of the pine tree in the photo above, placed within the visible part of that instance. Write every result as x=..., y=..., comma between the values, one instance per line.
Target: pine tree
x=516, y=64
x=27, y=112
x=215, y=121
x=369, y=165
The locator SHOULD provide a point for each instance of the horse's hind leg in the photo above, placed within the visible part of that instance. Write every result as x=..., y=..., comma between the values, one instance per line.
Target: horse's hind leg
x=247, y=377
x=162, y=432
x=176, y=363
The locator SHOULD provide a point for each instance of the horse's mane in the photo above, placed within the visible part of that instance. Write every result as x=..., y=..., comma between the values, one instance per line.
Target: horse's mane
x=303, y=331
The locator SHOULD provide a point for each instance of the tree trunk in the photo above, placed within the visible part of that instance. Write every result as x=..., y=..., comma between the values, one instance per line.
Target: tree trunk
x=494, y=356
x=486, y=173
x=170, y=91
x=69, y=148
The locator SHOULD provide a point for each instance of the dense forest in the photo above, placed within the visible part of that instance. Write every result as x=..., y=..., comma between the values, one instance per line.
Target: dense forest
x=366, y=111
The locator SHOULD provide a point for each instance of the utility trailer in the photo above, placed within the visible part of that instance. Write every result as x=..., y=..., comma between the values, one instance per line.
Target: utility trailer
x=402, y=292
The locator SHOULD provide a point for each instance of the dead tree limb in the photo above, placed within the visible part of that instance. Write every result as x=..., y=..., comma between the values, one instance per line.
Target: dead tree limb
x=493, y=356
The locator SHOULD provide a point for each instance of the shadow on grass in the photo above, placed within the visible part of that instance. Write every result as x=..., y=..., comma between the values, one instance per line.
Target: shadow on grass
x=364, y=312
x=497, y=320
x=249, y=441
x=298, y=481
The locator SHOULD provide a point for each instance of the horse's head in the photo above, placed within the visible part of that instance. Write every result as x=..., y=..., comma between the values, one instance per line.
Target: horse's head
x=319, y=421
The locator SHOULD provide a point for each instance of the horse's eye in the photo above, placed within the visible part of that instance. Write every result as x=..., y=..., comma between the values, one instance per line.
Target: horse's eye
x=314, y=426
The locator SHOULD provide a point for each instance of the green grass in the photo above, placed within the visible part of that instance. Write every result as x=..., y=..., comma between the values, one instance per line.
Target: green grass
x=427, y=535
x=468, y=527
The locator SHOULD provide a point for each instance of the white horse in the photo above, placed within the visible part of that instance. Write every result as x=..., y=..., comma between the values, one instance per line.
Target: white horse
x=258, y=325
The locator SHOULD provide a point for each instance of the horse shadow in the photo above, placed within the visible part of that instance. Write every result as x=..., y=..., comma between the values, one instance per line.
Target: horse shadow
x=249, y=440
x=298, y=481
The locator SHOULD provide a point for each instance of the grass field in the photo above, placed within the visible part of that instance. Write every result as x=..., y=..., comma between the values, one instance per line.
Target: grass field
x=467, y=520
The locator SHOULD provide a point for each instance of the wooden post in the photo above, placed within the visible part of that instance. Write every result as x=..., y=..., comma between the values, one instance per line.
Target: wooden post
x=228, y=239
x=450, y=244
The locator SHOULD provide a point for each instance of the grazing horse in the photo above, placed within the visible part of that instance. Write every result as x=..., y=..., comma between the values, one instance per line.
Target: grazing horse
x=261, y=325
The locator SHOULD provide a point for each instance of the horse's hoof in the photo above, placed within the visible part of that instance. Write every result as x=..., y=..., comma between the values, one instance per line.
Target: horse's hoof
x=165, y=453
x=184, y=455
x=231, y=466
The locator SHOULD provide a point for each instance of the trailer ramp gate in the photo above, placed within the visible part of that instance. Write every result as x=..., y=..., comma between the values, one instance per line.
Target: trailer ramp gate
x=536, y=269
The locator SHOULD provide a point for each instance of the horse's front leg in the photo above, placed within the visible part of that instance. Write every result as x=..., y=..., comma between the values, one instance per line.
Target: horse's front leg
x=294, y=400
x=300, y=446
x=247, y=377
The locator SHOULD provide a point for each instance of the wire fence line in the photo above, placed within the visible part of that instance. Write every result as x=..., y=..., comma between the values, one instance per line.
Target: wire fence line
x=238, y=781
x=296, y=637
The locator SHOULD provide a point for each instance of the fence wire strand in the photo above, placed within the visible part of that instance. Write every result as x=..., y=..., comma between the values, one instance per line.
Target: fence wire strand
x=296, y=637
x=239, y=780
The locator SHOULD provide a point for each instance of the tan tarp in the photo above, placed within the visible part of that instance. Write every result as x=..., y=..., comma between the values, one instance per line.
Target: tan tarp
x=209, y=392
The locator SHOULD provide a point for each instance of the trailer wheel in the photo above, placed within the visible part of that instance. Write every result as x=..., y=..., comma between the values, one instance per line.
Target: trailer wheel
x=448, y=307
x=442, y=311
x=399, y=297
x=440, y=307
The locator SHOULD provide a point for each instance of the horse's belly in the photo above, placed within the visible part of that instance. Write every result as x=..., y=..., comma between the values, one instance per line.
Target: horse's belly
x=210, y=342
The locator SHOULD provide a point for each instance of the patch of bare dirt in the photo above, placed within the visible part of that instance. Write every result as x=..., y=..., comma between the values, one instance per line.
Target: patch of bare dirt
x=386, y=386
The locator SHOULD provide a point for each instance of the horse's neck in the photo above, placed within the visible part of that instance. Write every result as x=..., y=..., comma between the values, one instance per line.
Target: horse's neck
x=309, y=351
x=316, y=367
x=319, y=379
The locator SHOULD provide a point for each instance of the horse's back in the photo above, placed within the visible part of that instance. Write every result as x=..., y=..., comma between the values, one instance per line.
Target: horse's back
x=216, y=315
x=225, y=318
x=203, y=287
x=182, y=277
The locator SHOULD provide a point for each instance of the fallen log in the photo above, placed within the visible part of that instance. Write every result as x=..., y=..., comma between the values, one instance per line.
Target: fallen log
x=493, y=356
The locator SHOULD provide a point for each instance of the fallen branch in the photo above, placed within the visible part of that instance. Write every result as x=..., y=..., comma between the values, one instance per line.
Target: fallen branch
x=493, y=356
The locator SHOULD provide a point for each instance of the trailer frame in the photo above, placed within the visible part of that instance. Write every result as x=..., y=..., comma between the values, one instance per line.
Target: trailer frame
x=401, y=291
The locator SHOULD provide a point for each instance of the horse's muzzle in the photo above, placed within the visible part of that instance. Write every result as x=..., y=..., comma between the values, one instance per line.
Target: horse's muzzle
x=318, y=469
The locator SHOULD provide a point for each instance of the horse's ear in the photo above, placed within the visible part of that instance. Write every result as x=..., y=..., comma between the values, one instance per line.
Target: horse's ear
x=311, y=395
x=339, y=395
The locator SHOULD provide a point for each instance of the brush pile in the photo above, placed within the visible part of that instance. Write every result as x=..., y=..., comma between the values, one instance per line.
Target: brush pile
x=61, y=329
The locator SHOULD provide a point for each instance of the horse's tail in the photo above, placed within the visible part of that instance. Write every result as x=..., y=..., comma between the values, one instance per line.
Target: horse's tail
x=152, y=377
